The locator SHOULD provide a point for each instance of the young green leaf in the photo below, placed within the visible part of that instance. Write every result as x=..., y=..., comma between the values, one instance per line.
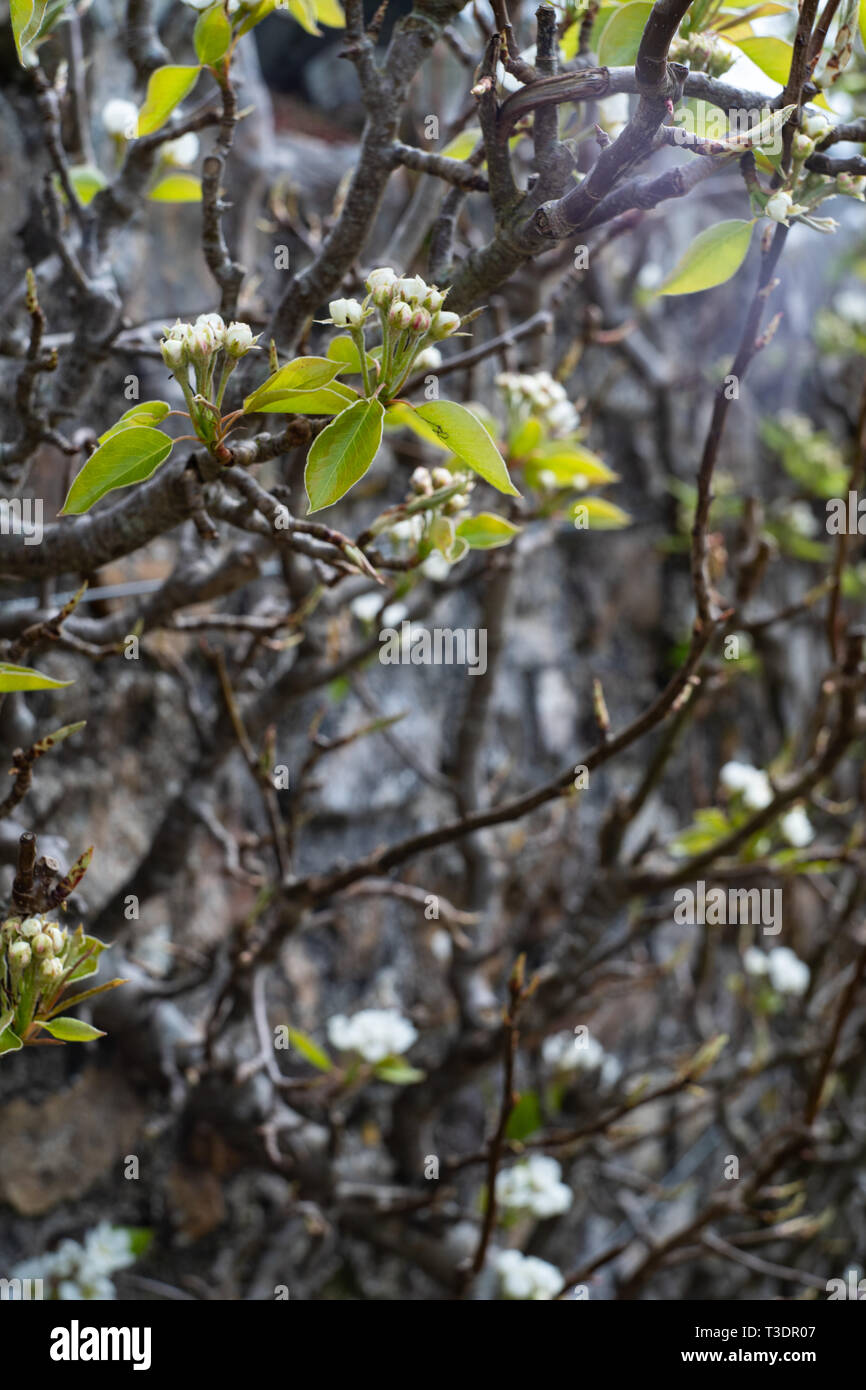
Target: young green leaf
x=310, y=1050
x=324, y=400
x=143, y=413
x=10, y=1042
x=343, y=452
x=70, y=1030
x=486, y=531
x=771, y=55
x=344, y=351
x=571, y=465
x=525, y=1118
x=301, y=374
x=305, y=13
x=23, y=678
x=87, y=180
x=129, y=456
x=713, y=257
x=397, y=1072
x=176, y=188
x=212, y=35
x=166, y=88
x=86, y=951
x=597, y=514
x=456, y=429
x=621, y=36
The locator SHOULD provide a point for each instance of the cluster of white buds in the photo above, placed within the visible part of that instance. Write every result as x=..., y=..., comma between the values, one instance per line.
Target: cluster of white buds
x=82, y=1271
x=411, y=317
x=538, y=394
x=373, y=1034
x=527, y=1277
x=36, y=945
x=424, y=482
x=751, y=783
x=196, y=343
x=782, y=967
x=534, y=1186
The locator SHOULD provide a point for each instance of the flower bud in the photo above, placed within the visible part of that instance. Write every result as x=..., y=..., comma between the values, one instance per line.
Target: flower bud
x=346, y=313
x=58, y=939
x=50, y=970
x=442, y=477
x=400, y=314
x=31, y=926
x=421, y=482
x=19, y=955
x=174, y=353
x=42, y=945
x=239, y=339
x=802, y=146
x=428, y=360
x=815, y=125
x=444, y=324
x=380, y=283
x=182, y=152
x=413, y=289
x=202, y=343
x=120, y=117
x=458, y=503
x=779, y=206
x=434, y=299
x=852, y=184
x=420, y=321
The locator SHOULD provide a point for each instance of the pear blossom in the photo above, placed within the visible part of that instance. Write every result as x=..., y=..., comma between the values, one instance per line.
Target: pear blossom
x=373, y=1034
x=526, y=1277
x=535, y=1186
x=346, y=313
x=750, y=782
x=183, y=151
x=120, y=117
x=781, y=206
x=788, y=974
x=797, y=828
x=564, y=1052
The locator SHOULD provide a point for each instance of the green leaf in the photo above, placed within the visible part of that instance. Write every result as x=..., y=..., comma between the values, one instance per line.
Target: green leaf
x=10, y=1042
x=569, y=41
x=621, y=36
x=713, y=257
x=72, y=1000
x=176, y=188
x=397, y=1072
x=166, y=88
x=343, y=452
x=70, y=1030
x=5, y=1019
x=327, y=400
x=260, y=12
x=23, y=678
x=140, y=1239
x=87, y=180
x=772, y=56
x=463, y=144
x=486, y=531
x=32, y=20
x=302, y=374
x=129, y=456
x=86, y=951
x=144, y=413
x=525, y=1118
x=863, y=22
x=307, y=1048
x=525, y=438
x=212, y=35
x=456, y=429
x=304, y=12
x=597, y=514
x=344, y=351
x=330, y=12
x=571, y=465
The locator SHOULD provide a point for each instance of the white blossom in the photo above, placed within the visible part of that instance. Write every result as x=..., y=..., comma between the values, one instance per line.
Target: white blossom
x=436, y=567
x=797, y=828
x=755, y=962
x=346, y=313
x=534, y=1185
x=750, y=782
x=366, y=606
x=120, y=117
x=183, y=151
x=563, y=1052
x=788, y=974
x=373, y=1033
x=526, y=1277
